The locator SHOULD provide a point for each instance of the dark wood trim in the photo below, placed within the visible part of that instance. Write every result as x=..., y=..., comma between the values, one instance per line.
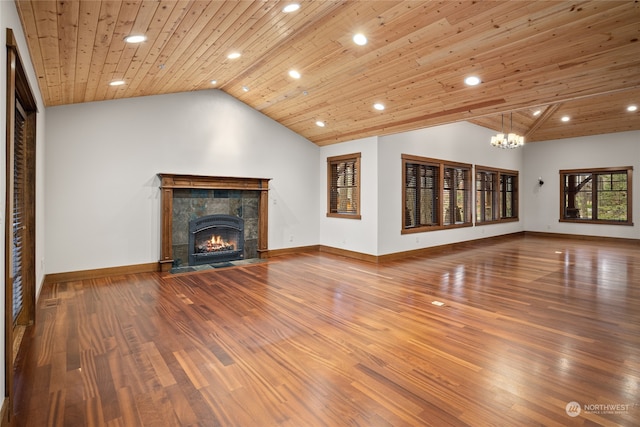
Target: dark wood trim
x=212, y=182
x=497, y=203
x=292, y=251
x=621, y=240
x=100, y=272
x=349, y=254
x=18, y=95
x=444, y=248
x=441, y=165
x=8, y=229
x=387, y=257
x=357, y=159
x=169, y=182
x=627, y=169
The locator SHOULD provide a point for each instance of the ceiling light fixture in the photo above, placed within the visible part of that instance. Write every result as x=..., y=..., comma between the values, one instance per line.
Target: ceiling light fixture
x=511, y=140
x=233, y=55
x=213, y=82
x=472, y=81
x=135, y=38
x=378, y=106
x=294, y=74
x=291, y=8
x=632, y=108
x=320, y=123
x=116, y=83
x=537, y=113
x=565, y=118
x=360, y=39
x=245, y=88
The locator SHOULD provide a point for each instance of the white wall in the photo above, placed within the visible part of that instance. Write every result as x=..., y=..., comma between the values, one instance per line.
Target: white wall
x=102, y=158
x=9, y=19
x=352, y=234
x=458, y=142
x=546, y=159
x=378, y=232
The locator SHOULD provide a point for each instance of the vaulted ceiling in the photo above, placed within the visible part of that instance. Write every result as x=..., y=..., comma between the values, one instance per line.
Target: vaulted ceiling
x=579, y=59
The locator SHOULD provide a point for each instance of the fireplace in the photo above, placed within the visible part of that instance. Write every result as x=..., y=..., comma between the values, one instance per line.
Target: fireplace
x=188, y=198
x=216, y=238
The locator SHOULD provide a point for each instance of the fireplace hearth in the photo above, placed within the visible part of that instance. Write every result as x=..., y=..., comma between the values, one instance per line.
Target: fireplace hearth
x=216, y=238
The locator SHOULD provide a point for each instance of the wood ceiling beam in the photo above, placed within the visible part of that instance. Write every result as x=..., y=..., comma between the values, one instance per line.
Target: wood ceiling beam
x=546, y=114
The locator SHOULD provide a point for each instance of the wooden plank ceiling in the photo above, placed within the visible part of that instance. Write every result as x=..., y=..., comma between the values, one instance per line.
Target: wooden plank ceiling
x=580, y=59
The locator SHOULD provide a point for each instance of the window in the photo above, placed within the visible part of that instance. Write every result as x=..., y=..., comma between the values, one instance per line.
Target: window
x=508, y=196
x=496, y=195
x=436, y=194
x=596, y=195
x=343, y=187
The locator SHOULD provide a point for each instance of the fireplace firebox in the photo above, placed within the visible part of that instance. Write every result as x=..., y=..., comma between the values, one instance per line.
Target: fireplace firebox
x=216, y=238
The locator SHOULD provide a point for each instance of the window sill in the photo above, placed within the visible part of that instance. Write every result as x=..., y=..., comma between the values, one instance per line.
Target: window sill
x=347, y=216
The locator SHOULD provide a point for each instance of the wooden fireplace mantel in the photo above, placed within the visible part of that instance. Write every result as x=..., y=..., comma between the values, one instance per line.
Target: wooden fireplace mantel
x=169, y=182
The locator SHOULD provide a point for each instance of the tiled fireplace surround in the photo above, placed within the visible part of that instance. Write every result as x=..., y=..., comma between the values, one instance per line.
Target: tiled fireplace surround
x=185, y=197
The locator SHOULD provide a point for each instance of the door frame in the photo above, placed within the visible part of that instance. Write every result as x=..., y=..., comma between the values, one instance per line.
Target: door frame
x=18, y=89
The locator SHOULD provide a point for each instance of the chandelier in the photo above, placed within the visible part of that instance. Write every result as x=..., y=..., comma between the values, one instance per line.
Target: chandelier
x=510, y=140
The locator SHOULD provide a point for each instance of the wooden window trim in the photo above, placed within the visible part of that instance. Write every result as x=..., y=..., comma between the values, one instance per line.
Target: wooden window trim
x=498, y=208
x=441, y=165
x=18, y=95
x=595, y=171
x=495, y=202
x=331, y=161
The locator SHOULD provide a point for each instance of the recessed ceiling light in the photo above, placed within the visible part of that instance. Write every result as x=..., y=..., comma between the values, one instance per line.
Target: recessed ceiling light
x=291, y=8
x=565, y=118
x=116, y=83
x=320, y=123
x=632, y=108
x=213, y=82
x=234, y=55
x=244, y=88
x=360, y=39
x=472, y=81
x=294, y=74
x=537, y=112
x=378, y=106
x=135, y=38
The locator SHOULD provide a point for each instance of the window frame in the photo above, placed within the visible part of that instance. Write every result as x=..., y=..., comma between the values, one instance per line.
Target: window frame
x=440, y=166
x=332, y=208
x=499, y=195
x=515, y=196
x=594, y=172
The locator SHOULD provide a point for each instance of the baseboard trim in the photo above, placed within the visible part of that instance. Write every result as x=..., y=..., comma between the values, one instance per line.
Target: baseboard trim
x=432, y=250
x=622, y=240
x=349, y=254
x=101, y=272
x=292, y=251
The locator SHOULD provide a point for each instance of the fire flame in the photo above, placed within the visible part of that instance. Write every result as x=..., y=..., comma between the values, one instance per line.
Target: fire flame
x=214, y=244
x=217, y=242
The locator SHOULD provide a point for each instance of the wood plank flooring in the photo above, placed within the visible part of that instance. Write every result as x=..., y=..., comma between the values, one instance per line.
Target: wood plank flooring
x=529, y=324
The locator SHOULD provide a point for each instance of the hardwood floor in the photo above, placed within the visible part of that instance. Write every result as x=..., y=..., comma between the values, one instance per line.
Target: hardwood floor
x=528, y=325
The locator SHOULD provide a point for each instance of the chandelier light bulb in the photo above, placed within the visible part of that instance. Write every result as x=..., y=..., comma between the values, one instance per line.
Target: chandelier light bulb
x=510, y=140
